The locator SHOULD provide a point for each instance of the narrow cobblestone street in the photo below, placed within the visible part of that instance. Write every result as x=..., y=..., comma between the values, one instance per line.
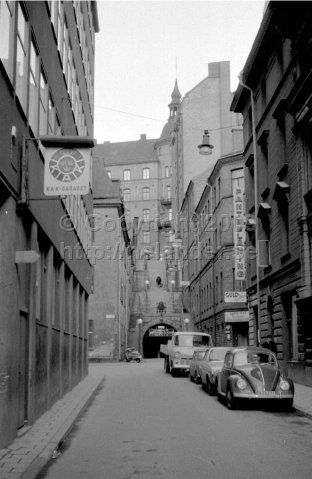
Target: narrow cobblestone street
x=145, y=424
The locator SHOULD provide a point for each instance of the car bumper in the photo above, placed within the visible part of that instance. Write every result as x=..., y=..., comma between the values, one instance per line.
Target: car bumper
x=271, y=395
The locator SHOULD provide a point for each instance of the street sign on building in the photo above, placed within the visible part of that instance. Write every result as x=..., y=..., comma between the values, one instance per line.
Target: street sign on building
x=235, y=297
x=236, y=317
x=67, y=165
x=239, y=233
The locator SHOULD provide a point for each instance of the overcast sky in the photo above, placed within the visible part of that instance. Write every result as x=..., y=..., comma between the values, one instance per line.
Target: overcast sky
x=143, y=45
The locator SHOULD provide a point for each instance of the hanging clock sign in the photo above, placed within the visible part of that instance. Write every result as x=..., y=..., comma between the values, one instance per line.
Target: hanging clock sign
x=67, y=165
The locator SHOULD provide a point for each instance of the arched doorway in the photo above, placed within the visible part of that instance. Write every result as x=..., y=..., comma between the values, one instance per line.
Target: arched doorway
x=154, y=337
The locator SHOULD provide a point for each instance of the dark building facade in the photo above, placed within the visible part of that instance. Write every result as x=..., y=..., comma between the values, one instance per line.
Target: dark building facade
x=46, y=89
x=275, y=99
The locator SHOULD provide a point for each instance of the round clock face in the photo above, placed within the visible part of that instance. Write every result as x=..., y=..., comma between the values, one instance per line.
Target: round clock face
x=67, y=164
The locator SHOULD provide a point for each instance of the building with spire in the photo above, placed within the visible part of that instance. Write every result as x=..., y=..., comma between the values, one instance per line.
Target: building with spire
x=144, y=170
x=204, y=107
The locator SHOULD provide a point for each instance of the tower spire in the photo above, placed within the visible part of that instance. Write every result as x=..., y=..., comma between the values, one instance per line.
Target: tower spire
x=174, y=105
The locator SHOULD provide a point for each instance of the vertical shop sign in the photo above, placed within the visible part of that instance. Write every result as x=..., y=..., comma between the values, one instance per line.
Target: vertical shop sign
x=239, y=232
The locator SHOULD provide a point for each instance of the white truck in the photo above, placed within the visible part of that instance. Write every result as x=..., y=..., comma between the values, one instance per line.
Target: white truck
x=180, y=348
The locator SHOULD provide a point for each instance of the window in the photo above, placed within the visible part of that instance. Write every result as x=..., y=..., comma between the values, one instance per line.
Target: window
x=219, y=190
x=146, y=173
x=146, y=237
x=170, y=214
x=21, y=58
x=169, y=192
x=51, y=117
x=43, y=113
x=146, y=214
x=33, y=88
x=127, y=194
x=146, y=193
x=6, y=25
x=167, y=171
x=126, y=175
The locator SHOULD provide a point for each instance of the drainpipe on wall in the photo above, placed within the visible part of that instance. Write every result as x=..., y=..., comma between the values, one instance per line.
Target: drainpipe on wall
x=254, y=143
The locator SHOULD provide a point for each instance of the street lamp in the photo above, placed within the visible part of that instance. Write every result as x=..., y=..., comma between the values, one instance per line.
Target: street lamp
x=139, y=322
x=205, y=148
x=186, y=322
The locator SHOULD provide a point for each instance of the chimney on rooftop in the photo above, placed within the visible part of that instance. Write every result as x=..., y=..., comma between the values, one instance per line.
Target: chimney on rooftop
x=143, y=136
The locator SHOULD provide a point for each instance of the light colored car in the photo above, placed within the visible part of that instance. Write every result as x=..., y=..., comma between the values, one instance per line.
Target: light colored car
x=198, y=356
x=209, y=368
x=253, y=373
x=133, y=355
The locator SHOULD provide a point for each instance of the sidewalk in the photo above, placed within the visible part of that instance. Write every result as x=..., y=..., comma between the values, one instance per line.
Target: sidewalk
x=28, y=454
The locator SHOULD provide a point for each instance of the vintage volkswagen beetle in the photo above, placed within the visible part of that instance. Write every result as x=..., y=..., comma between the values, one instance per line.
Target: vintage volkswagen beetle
x=209, y=368
x=195, y=362
x=253, y=373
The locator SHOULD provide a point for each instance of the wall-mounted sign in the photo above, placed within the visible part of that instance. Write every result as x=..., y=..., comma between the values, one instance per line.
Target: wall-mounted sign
x=235, y=297
x=239, y=232
x=157, y=332
x=236, y=316
x=67, y=165
x=28, y=256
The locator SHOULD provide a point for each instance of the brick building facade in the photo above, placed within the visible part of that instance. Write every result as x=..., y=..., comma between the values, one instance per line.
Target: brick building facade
x=275, y=81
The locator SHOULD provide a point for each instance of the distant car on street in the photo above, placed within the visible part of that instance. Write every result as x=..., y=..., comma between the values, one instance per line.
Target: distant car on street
x=209, y=368
x=195, y=362
x=253, y=373
x=133, y=355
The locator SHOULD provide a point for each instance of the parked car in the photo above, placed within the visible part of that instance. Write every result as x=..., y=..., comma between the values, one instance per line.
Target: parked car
x=197, y=358
x=253, y=373
x=133, y=355
x=209, y=368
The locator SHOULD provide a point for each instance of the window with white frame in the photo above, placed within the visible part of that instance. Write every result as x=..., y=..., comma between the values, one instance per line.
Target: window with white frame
x=43, y=107
x=170, y=214
x=51, y=117
x=60, y=15
x=167, y=171
x=21, y=58
x=146, y=193
x=126, y=175
x=6, y=27
x=169, y=192
x=146, y=214
x=146, y=173
x=146, y=236
x=33, y=88
x=127, y=194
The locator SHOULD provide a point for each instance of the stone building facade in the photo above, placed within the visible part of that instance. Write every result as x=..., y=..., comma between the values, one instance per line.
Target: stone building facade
x=277, y=159
x=144, y=170
x=204, y=107
x=44, y=286
x=209, y=256
x=109, y=306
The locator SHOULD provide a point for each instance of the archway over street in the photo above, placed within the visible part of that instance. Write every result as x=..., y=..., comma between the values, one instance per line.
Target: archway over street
x=154, y=337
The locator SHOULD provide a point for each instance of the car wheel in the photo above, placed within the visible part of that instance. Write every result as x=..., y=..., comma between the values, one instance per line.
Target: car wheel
x=209, y=387
x=230, y=400
x=196, y=378
x=166, y=366
x=138, y=360
x=191, y=377
x=173, y=372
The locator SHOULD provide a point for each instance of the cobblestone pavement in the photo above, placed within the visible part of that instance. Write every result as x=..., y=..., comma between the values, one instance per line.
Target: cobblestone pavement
x=28, y=454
